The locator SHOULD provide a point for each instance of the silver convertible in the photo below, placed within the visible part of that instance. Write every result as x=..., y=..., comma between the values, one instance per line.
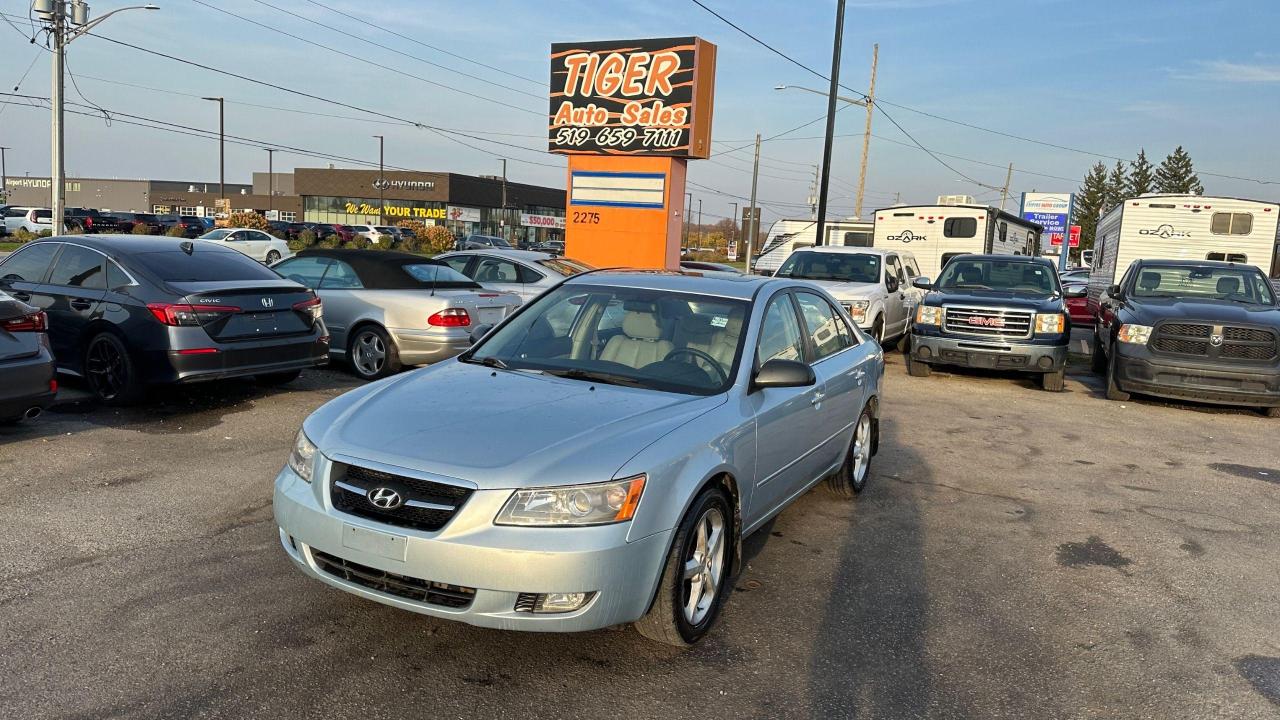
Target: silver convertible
x=637, y=425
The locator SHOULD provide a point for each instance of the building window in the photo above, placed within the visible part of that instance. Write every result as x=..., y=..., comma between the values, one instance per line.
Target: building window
x=188, y=211
x=857, y=238
x=1231, y=224
x=960, y=227
x=288, y=216
x=160, y=209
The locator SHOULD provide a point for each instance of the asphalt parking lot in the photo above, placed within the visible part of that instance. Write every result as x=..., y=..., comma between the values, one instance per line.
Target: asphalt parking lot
x=1017, y=554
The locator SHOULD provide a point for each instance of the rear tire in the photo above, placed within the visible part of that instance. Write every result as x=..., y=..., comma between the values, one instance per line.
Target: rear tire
x=1113, y=390
x=915, y=368
x=372, y=354
x=852, y=476
x=681, y=614
x=273, y=257
x=1053, y=381
x=1271, y=412
x=277, y=378
x=110, y=371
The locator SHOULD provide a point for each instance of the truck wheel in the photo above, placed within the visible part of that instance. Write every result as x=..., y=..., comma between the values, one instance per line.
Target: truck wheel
x=695, y=580
x=1053, y=381
x=1099, y=359
x=1271, y=412
x=1113, y=390
x=915, y=368
x=877, y=331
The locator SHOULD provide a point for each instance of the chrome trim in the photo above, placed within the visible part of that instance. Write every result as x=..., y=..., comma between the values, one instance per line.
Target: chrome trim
x=1028, y=316
x=398, y=470
x=407, y=503
x=133, y=282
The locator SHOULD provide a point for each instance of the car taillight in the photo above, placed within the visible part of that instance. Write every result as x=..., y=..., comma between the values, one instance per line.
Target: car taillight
x=177, y=314
x=450, y=317
x=35, y=322
x=312, y=307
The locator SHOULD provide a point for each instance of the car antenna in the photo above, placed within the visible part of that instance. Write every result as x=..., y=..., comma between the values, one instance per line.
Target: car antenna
x=187, y=246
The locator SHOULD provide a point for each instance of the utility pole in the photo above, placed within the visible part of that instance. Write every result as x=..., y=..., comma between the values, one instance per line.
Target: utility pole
x=688, y=206
x=699, y=223
x=820, y=240
x=866, y=133
x=1004, y=191
x=754, y=225
x=271, y=179
x=735, y=227
x=505, y=217
x=813, y=192
x=222, y=146
x=4, y=177
x=382, y=203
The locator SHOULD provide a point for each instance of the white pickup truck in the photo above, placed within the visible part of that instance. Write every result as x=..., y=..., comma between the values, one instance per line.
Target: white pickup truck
x=874, y=286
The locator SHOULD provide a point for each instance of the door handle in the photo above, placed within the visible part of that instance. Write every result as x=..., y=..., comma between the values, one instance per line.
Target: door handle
x=23, y=296
x=858, y=374
x=81, y=304
x=816, y=400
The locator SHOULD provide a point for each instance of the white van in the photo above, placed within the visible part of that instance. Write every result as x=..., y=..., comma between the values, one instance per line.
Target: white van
x=786, y=236
x=1183, y=227
x=937, y=233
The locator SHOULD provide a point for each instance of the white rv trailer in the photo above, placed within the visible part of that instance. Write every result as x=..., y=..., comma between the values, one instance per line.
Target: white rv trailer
x=1183, y=227
x=787, y=235
x=937, y=233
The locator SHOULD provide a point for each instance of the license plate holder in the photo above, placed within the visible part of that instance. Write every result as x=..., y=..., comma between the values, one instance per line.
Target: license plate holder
x=375, y=542
x=490, y=316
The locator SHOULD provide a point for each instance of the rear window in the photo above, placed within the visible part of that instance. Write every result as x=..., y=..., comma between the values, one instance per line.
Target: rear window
x=565, y=266
x=433, y=274
x=203, y=266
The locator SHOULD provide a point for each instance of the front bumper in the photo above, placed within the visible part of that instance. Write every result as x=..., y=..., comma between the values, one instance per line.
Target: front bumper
x=26, y=384
x=423, y=347
x=498, y=563
x=981, y=353
x=1139, y=370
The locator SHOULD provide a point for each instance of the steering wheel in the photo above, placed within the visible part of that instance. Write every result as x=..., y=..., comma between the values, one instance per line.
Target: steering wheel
x=699, y=355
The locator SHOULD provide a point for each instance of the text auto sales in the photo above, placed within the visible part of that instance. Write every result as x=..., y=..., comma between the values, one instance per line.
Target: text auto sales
x=639, y=74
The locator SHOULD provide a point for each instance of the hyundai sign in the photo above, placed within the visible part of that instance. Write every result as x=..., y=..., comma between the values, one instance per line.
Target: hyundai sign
x=1052, y=211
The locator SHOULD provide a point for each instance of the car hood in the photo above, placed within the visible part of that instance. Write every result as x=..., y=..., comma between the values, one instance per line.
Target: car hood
x=1149, y=311
x=993, y=298
x=499, y=429
x=850, y=290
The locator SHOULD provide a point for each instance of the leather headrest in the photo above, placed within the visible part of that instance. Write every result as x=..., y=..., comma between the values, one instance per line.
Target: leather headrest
x=641, y=325
x=734, y=327
x=1149, y=280
x=1228, y=285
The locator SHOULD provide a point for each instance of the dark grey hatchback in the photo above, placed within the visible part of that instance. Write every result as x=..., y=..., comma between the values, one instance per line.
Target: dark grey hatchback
x=126, y=312
x=27, y=381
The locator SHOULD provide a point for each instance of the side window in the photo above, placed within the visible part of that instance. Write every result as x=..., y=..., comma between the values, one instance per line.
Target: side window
x=28, y=264
x=895, y=268
x=830, y=334
x=960, y=227
x=528, y=275
x=237, y=237
x=913, y=270
x=341, y=276
x=304, y=270
x=458, y=262
x=1227, y=257
x=1231, y=224
x=780, y=332
x=1004, y=230
x=261, y=236
x=496, y=271
x=116, y=277
x=79, y=267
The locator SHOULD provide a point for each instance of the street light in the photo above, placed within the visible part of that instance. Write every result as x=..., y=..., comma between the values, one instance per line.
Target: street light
x=63, y=27
x=851, y=101
x=222, y=147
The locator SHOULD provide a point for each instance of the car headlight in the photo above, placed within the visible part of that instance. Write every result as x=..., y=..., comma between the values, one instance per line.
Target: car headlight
x=599, y=504
x=929, y=315
x=857, y=309
x=1136, y=334
x=1050, y=323
x=302, y=458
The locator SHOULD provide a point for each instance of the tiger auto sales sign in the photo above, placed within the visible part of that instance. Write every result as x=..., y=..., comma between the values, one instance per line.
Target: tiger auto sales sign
x=632, y=97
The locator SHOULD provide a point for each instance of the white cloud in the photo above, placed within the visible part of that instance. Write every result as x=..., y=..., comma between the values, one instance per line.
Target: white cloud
x=1226, y=71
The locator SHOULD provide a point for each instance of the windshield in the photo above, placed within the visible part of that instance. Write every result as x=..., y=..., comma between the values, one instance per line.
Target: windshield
x=674, y=342
x=1244, y=285
x=1015, y=276
x=215, y=234
x=844, y=267
x=565, y=266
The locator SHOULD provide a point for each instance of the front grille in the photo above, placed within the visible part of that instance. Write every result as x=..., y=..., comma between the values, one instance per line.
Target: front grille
x=1186, y=330
x=1248, y=352
x=526, y=602
x=1179, y=346
x=1240, y=334
x=999, y=323
x=1196, y=339
x=388, y=583
x=427, y=505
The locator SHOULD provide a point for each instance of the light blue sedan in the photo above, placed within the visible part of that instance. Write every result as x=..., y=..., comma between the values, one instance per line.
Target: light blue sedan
x=596, y=459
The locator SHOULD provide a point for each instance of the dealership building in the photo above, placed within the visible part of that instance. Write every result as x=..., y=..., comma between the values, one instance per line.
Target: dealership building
x=465, y=204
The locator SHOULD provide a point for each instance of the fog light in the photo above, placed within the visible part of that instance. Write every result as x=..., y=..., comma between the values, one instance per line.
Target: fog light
x=552, y=602
x=1045, y=362
x=924, y=352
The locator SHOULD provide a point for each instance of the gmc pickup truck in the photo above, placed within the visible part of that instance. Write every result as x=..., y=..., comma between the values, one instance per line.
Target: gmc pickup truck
x=1004, y=312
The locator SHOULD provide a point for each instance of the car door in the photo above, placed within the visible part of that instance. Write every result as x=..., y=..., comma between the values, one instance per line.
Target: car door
x=787, y=419
x=842, y=367
x=75, y=287
x=895, y=285
x=345, y=301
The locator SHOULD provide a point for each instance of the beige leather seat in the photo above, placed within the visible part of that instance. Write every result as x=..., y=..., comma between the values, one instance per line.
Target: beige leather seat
x=640, y=343
x=720, y=343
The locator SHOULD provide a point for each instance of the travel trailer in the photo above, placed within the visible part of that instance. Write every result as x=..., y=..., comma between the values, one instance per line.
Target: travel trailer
x=787, y=235
x=937, y=233
x=1183, y=227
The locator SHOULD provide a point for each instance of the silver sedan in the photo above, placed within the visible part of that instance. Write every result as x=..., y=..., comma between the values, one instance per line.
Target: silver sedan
x=386, y=310
x=636, y=426
x=526, y=273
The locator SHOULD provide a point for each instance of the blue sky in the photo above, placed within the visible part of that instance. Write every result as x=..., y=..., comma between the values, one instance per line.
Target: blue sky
x=1106, y=77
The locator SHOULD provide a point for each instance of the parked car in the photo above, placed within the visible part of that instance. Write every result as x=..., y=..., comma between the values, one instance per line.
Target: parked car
x=345, y=233
x=192, y=226
x=387, y=309
x=622, y=456
x=482, y=242
x=874, y=286
x=525, y=273
x=128, y=220
x=256, y=244
x=708, y=266
x=130, y=311
x=28, y=380
x=555, y=247
x=30, y=219
x=282, y=229
x=1192, y=330
x=1076, y=295
x=13, y=217
x=89, y=221
x=1079, y=273
x=1004, y=312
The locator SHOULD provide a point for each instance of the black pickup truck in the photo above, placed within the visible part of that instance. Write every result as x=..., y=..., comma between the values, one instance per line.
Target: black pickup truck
x=88, y=221
x=1191, y=330
x=1004, y=312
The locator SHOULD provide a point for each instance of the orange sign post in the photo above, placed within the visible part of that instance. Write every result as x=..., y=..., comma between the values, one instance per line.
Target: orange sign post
x=629, y=114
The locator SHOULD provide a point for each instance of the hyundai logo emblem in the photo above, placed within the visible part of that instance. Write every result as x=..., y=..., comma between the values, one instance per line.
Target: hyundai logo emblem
x=384, y=498
x=268, y=302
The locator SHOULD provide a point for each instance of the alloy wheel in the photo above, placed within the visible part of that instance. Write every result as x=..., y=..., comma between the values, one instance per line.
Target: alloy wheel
x=861, y=451
x=105, y=368
x=704, y=566
x=370, y=353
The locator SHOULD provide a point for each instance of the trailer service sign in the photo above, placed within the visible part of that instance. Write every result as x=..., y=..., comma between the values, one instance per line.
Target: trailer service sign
x=632, y=97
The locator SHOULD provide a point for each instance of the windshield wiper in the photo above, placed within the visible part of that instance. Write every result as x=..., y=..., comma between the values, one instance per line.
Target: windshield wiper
x=490, y=361
x=600, y=377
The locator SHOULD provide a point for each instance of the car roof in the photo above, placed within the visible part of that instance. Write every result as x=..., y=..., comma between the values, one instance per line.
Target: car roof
x=514, y=254
x=851, y=249
x=126, y=244
x=743, y=287
x=229, y=229
x=1192, y=263
x=1006, y=258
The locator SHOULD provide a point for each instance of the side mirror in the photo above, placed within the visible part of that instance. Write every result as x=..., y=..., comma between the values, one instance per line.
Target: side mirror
x=1076, y=292
x=1114, y=291
x=479, y=332
x=891, y=283
x=922, y=283
x=783, y=373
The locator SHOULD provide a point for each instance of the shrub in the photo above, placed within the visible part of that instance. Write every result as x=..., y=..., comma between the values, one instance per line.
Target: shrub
x=717, y=257
x=141, y=229
x=435, y=240
x=23, y=236
x=306, y=238
x=384, y=242
x=44, y=233
x=248, y=220
x=175, y=231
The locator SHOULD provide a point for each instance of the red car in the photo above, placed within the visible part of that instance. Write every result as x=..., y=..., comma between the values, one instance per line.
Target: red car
x=1078, y=307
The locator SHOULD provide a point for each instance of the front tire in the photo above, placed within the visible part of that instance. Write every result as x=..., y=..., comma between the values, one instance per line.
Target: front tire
x=916, y=368
x=695, y=579
x=852, y=476
x=1113, y=390
x=1099, y=359
x=372, y=354
x=877, y=331
x=110, y=371
x=1271, y=412
x=1053, y=381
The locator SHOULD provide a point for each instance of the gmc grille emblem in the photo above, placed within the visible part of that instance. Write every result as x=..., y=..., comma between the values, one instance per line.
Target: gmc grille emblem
x=987, y=322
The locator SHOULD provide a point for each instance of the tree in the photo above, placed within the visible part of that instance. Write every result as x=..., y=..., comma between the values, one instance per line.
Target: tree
x=1142, y=179
x=1089, y=203
x=435, y=240
x=1117, y=187
x=1177, y=176
x=248, y=220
